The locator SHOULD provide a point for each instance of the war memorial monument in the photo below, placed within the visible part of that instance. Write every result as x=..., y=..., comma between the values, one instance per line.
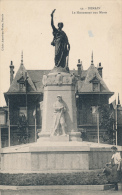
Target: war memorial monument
x=59, y=146
x=59, y=109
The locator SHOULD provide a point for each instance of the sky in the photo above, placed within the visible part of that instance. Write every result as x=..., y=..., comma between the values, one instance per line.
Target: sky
x=26, y=27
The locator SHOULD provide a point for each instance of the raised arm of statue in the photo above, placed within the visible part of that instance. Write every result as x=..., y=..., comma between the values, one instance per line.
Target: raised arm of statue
x=52, y=22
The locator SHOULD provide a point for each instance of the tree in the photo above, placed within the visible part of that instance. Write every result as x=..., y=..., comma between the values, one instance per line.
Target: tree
x=22, y=127
x=106, y=122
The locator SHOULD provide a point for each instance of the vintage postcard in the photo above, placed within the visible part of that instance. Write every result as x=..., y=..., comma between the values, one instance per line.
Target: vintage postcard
x=60, y=94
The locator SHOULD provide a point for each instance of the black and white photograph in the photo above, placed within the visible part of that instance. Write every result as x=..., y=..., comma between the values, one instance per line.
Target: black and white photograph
x=60, y=97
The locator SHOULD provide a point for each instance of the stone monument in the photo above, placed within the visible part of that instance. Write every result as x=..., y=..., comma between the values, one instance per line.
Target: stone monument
x=59, y=84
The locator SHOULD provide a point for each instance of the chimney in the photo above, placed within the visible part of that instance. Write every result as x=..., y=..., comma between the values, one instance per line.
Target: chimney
x=79, y=68
x=119, y=105
x=99, y=68
x=11, y=72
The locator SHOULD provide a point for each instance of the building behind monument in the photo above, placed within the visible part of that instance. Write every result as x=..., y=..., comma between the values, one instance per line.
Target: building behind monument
x=21, y=119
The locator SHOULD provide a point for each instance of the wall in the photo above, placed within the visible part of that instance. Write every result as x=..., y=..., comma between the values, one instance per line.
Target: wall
x=53, y=157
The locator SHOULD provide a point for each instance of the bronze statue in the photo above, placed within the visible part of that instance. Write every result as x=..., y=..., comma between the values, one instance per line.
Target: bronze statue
x=61, y=43
x=59, y=117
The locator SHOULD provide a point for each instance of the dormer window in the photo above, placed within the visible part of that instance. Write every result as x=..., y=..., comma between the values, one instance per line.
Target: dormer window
x=21, y=85
x=95, y=84
x=21, y=82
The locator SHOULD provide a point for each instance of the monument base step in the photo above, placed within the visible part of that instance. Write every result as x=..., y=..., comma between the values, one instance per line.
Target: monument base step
x=71, y=136
x=63, y=138
x=54, y=138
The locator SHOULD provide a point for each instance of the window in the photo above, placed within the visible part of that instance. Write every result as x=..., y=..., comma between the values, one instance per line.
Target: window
x=95, y=86
x=21, y=82
x=2, y=119
x=94, y=109
x=22, y=111
x=21, y=85
x=94, y=114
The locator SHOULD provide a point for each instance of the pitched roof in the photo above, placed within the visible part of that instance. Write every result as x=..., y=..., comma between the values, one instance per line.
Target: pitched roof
x=36, y=76
x=14, y=87
x=86, y=85
x=35, y=80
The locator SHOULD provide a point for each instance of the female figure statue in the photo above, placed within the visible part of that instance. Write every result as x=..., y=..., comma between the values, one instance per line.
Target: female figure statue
x=61, y=44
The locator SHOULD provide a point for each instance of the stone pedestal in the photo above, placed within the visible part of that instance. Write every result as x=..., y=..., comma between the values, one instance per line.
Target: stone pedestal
x=63, y=84
x=75, y=136
x=59, y=138
x=55, y=156
x=47, y=156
